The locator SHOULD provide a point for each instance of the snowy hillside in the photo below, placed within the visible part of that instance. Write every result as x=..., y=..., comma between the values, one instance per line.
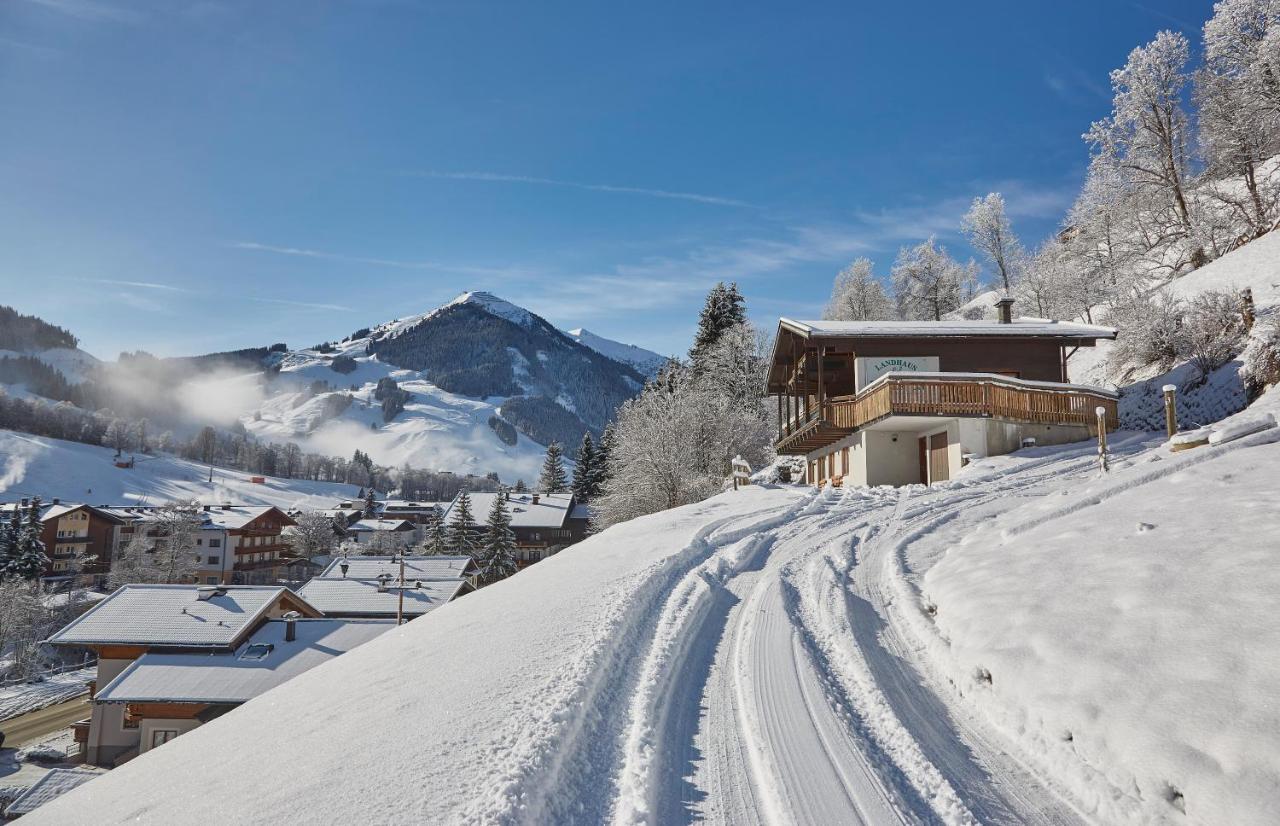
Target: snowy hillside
x=647, y=362
x=33, y=465
x=489, y=385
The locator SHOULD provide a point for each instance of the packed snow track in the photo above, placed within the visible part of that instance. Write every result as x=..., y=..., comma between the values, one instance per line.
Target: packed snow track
x=782, y=686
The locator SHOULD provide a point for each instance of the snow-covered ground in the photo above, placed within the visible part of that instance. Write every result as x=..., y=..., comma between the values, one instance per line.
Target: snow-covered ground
x=1031, y=642
x=24, y=697
x=74, y=472
x=646, y=361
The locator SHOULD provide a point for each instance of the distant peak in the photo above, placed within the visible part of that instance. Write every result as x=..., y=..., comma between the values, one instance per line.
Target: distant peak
x=493, y=305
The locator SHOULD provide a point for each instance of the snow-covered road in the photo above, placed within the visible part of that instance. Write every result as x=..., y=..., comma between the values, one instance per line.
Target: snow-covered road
x=813, y=705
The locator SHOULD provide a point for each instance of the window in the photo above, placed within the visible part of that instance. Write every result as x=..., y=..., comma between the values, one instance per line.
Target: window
x=215, y=560
x=215, y=543
x=161, y=736
x=199, y=542
x=211, y=580
x=534, y=556
x=257, y=651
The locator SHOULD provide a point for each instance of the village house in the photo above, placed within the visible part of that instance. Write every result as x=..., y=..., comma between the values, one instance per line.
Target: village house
x=168, y=693
x=382, y=534
x=234, y=543
x=543, y=523
x=417, y=512
x=381, y=598
x=72, y=532
x=138, y=619
x=906, y=402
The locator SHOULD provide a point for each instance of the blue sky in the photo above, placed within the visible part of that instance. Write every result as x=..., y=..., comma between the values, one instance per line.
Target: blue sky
x=184, y=177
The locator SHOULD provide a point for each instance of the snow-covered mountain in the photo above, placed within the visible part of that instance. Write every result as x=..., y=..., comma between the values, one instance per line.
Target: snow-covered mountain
x=488, y=386
x=647, y=362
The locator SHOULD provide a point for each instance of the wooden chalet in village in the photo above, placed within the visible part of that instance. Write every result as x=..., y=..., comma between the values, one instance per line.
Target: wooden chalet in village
x=903, y=402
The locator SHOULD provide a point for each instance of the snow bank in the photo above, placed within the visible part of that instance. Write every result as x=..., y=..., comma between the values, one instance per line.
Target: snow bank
x=1130, y=639
x=507, y=705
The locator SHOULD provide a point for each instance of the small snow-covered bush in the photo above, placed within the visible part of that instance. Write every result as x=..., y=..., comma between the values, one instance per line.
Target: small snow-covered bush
x=1212, y=331
x=1262, y=358
x=1148, y=334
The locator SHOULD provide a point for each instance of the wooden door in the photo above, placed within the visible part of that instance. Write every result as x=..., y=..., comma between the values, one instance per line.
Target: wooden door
x=939, y=471
x=923, y=442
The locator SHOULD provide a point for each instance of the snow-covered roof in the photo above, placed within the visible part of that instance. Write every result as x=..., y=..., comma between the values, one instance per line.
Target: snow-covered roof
x=550, y=511
x=217, y=517
x=581, y=510
x=239, y=676
x=54, y=784
x=949, y=329
x=363, y=597
x=382, y=525
x=162, y=615
x=415, y=567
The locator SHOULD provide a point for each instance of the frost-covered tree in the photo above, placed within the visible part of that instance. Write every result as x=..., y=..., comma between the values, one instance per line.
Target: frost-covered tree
x=23, y=624
x=586, y=470
x=724, y=308
x=498, y=554
x=1212, y=330
x=553, y=478
x=674, y=443
x=370, y=509
x=314, y=534
x=437, y=539
x=27, y=559
x=928, y=282
x=858, y=295
x=1237, y=94
x=988, y=229
x=462, y=528
x=1146, y=140
x=1038, y=288
x=161, y=549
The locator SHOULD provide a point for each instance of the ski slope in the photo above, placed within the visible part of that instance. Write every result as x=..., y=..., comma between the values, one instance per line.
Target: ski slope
x=784, y=655
x=74, y=472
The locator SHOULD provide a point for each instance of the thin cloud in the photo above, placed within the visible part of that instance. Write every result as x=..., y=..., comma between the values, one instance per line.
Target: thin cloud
x=505, y=272
x=624, y=190
x=305, y=304
x=91, y=10
x=144, y=285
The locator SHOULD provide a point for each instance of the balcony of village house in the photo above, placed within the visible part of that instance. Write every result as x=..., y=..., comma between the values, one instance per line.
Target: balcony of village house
x=809, y=420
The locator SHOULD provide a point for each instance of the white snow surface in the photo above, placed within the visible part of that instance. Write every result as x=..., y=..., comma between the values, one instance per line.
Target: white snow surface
x=21, y=698
x=1031, y=642
x=74, y=364
x=647, y=362
x=36, y=465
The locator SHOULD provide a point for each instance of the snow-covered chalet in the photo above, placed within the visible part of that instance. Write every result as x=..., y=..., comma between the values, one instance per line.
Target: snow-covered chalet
x=910, y=402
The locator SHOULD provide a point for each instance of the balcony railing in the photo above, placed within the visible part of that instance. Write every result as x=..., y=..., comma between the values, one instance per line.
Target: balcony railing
x=946, y=395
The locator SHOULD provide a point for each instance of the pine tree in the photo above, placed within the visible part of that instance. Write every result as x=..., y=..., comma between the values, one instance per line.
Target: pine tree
x=586, y=471
x=521, y=487
x=604, y=452
x=724, y=308
x=462, y=530
x=9, y=540
x=437, y=539
x=553, y=478
x=28, y=560
x=370, y=505
x=498, y=554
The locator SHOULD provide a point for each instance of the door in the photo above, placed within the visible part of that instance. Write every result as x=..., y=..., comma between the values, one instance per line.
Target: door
x=924, y=459
x=938, y=468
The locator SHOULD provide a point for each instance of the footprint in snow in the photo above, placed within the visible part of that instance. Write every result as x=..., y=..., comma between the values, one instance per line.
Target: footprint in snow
x=1144, y=527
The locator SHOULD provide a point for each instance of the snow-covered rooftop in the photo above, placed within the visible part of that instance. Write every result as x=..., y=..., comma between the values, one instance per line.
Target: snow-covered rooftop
x=550, y=511
x=415, y=567
x=950, y=329
x=260, y=663
x=174, y=615
x=362, y=597
x=382, y=525
x=54, y=784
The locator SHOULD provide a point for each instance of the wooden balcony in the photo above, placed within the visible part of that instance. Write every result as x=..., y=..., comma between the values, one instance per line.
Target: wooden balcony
x=970, y=395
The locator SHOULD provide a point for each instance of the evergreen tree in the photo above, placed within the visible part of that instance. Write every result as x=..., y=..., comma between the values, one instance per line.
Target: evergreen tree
x=724, y=308
x=27, y=559
x=521, y=487
x=370, y=505
x=586, y=471
x=608, y=441
x=553, y=478
x=498, y=554
x=462, y=530
x=437, y=538
x=9, y=530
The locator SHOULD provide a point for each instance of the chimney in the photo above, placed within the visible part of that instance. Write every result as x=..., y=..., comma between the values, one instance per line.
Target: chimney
x=344, y=565
x=384, y=581
x=56, y=500
x=291, y=626
x=25, y=501
x=536, y=497
x=1005, y=307
x=208, y=508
